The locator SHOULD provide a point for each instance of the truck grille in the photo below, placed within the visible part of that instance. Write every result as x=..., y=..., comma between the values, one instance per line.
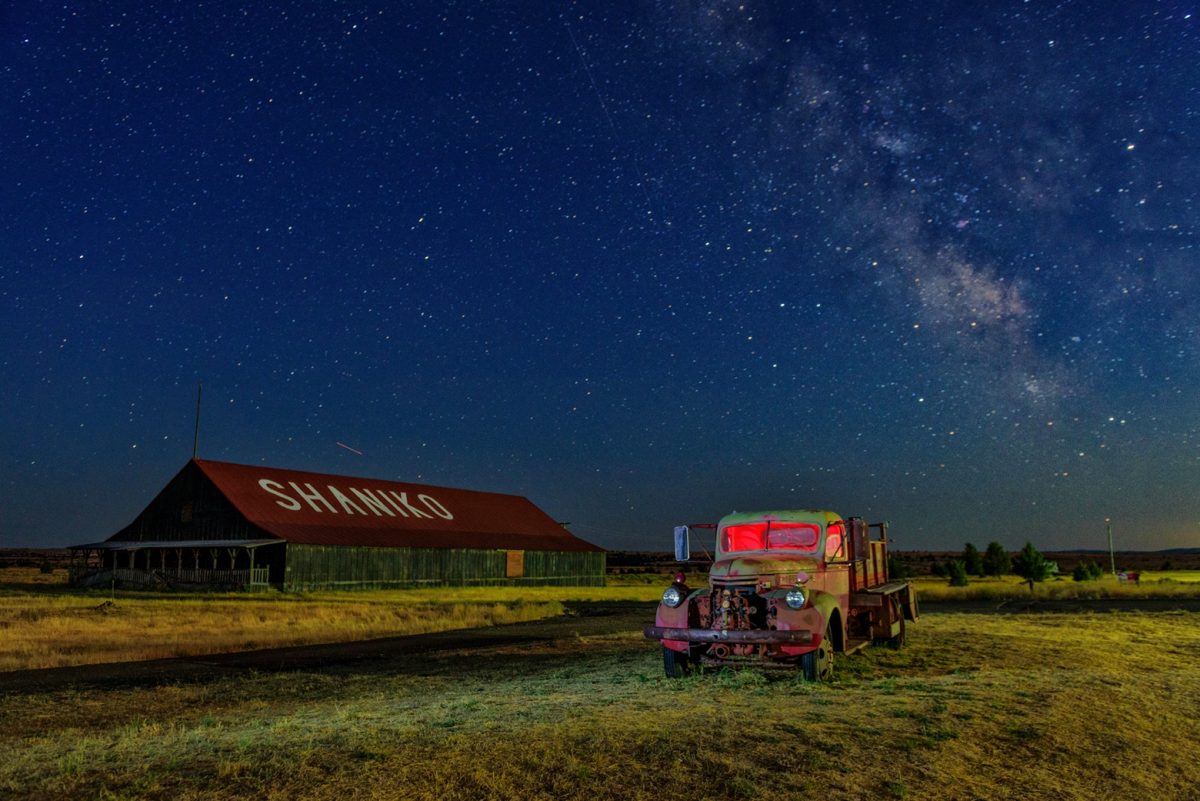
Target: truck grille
x=729, y=608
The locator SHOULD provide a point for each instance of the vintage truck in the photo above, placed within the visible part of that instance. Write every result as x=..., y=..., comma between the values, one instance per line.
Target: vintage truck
x=786, y=588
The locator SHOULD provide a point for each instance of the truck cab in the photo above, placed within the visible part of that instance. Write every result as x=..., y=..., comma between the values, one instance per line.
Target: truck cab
x=786, y=588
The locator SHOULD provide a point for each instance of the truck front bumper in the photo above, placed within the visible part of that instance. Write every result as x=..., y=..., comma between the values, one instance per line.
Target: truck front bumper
x=735, y=636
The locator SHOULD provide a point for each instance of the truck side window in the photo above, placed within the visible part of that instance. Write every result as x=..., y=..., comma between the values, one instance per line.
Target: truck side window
x=835, y=543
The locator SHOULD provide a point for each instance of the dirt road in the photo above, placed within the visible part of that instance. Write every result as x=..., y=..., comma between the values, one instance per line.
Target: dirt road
x=396, y=653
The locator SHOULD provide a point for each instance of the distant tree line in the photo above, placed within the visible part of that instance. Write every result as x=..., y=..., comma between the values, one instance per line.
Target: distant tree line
x=1029, y=564
x=994, y=561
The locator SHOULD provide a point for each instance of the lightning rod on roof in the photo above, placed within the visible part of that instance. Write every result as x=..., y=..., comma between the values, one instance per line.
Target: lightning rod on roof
x=196, y=435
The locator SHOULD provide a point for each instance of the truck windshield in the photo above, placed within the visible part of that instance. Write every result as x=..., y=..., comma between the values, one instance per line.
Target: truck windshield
x=770, y=535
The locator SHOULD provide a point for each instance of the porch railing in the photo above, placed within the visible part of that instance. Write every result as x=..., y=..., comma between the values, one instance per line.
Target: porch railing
x=259, y=576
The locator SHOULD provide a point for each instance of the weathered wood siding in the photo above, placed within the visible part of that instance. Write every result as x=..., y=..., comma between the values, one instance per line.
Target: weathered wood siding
x=325, y=566
x=547, y=567
x=190, y=507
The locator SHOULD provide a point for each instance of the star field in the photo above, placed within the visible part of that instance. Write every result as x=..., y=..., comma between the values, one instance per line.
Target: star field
x=645, y=263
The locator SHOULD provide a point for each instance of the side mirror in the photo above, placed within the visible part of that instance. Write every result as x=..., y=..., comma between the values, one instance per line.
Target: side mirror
x=683, y=551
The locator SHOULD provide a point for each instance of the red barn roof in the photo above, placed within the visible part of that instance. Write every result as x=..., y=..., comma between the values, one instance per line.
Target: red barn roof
x=320, y=509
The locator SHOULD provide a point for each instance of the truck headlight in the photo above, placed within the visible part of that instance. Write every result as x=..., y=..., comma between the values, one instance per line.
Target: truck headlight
x=795, y=598
x=672, y=597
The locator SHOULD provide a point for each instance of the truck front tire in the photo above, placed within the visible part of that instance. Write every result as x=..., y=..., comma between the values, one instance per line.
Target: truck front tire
x=675, y=663
x=818, y=664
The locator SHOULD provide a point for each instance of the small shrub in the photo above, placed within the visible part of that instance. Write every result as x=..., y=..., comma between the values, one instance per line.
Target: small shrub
x=957, y=572
x=46, y=567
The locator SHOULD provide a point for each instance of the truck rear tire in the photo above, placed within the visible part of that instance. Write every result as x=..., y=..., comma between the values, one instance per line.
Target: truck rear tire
x=818, y=665
x=675, y=664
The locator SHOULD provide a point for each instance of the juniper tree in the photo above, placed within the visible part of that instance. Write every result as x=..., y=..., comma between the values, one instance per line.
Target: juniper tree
x=996, y=561
x=972, y=561
x=1031, y=565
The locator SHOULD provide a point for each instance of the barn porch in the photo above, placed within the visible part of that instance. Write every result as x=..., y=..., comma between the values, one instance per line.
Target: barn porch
x=251, y=564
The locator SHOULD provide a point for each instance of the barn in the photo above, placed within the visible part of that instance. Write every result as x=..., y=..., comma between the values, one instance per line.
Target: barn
x=232, y=525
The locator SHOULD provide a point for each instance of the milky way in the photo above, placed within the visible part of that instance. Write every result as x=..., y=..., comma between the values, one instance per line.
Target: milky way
x=644, y=264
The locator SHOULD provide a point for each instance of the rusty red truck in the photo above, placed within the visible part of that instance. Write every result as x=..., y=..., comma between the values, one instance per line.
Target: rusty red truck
x=786, y=588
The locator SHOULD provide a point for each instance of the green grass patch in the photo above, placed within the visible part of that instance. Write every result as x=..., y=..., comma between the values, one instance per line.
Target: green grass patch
x=978, y=706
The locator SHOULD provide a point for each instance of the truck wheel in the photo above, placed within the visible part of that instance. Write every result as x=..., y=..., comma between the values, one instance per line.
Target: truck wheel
x=675, y=664
x=818, y=665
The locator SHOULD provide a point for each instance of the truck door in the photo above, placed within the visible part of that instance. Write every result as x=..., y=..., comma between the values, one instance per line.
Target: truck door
x=837, y=579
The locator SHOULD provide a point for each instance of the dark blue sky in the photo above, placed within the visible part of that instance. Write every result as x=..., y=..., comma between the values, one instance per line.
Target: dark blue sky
x=644, y=263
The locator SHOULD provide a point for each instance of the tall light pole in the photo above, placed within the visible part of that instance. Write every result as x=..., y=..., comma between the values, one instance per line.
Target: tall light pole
x=1112, y=559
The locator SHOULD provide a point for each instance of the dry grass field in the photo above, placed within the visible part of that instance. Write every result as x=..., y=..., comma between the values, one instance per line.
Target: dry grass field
x=79, y=631
x=1159, y=584
x=43, y=623
x=1032, y=706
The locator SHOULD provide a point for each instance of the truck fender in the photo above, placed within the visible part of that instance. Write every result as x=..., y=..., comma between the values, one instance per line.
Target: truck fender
x=910, y=605
x=681, y=617
x=827, y=605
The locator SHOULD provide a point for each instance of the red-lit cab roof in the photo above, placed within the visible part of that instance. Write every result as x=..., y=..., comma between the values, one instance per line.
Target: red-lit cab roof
x=321, y=509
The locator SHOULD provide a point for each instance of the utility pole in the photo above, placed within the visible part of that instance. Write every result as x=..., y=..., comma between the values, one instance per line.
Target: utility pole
x=1112, y=559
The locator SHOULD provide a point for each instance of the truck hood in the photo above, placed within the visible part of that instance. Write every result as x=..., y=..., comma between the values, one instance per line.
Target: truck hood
x=748, y=568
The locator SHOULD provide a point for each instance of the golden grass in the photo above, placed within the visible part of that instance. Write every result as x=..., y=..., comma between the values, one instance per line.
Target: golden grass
x=40, y=629
x=1190, y=576
x=46, y=624
x=1051, y=706
x=38, y=632
x=1165, y=584
x=32, y=575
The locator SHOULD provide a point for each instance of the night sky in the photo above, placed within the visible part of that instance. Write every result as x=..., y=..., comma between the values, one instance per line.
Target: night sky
x=644, y=263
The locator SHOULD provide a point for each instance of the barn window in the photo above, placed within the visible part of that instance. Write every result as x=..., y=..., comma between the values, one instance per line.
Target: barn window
x=514, y=566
